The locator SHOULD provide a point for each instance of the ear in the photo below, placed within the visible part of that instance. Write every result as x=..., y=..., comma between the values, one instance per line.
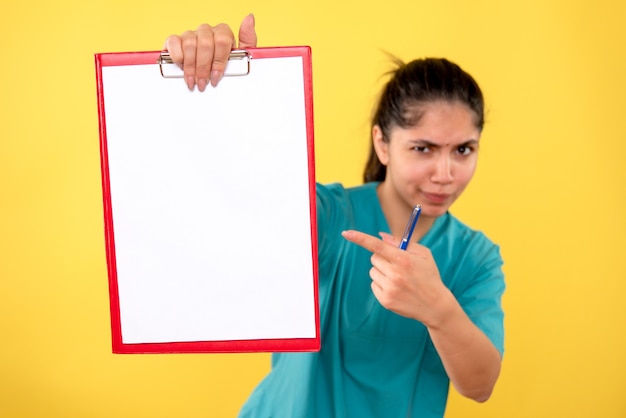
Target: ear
x=380, y=145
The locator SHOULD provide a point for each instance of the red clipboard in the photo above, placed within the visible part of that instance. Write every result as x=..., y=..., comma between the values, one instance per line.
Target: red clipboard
x=209, y=204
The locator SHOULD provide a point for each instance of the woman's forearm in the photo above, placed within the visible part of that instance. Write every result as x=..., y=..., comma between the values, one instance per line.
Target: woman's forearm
x=470, y=359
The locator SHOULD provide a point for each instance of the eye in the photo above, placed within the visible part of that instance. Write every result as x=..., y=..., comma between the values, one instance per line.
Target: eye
x=464, y=150
x=421, y=148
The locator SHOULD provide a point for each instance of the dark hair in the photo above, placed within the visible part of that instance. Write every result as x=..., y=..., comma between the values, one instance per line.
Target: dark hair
x=419, y=82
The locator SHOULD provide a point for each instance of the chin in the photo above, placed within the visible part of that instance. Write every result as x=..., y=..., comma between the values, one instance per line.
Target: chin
x=434, y=211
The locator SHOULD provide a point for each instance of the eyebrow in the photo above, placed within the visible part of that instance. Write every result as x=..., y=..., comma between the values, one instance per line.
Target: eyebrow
x=435, y=145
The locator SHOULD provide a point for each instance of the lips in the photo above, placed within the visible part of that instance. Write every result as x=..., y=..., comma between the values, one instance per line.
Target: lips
x=436, y=198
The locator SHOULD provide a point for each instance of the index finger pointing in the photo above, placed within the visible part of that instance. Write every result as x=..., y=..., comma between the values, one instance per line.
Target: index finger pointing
x=369, y=242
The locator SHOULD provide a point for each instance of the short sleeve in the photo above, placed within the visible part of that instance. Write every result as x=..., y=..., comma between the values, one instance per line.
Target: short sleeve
x=481, y=298
x=471, y=267
x=331, y=216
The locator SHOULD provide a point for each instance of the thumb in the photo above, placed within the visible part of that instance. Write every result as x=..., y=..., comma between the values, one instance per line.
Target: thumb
x=247, y=34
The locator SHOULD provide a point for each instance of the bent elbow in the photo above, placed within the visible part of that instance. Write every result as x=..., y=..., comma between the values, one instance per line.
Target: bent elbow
x=484, y=397
x=479, y=395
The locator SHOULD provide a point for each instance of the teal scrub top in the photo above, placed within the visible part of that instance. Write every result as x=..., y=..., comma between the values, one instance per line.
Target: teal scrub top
x=373, y=362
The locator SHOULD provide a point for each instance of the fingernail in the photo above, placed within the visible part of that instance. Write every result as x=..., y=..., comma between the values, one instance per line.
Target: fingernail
x=216, y=76
x=190, y=82
x=202, y=84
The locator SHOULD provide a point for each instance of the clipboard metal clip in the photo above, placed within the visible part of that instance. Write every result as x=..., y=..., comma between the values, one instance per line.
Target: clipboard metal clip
x=238, y=65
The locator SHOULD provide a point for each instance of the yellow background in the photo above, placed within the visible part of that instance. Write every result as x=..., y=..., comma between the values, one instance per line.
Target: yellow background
x=550, y=189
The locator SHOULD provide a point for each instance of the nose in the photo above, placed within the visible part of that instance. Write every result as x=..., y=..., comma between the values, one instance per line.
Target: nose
x=442, y=171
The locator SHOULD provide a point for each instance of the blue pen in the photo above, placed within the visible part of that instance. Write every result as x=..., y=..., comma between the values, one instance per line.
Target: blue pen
x=410, y=226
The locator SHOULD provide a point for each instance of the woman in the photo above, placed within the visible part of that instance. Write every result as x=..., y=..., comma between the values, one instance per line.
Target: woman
x=397, y=326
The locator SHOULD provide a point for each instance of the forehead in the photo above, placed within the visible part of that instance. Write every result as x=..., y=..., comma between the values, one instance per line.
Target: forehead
x=415, y=112
x=441, y=120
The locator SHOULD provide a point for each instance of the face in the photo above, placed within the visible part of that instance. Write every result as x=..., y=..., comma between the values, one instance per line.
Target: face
x=431, y=163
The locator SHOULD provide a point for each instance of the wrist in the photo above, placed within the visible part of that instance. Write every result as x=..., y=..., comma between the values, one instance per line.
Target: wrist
x=445, y=309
